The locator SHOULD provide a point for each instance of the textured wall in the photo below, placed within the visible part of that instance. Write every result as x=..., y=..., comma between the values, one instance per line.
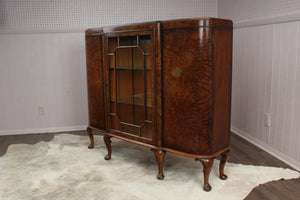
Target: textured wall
x=42, y=55
x=266, y=74
x=57, y=15
x=259, y=12
x=45, y=70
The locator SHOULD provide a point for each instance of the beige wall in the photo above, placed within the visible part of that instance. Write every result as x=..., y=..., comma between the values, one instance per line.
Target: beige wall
x=42, y=55
x=266, y=73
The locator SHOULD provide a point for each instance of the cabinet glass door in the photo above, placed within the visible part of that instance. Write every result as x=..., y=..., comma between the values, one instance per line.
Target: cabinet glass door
x=130, y=73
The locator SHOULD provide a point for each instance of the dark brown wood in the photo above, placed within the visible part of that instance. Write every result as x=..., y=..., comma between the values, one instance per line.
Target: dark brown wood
x=196, y=22
x=122, y=124
x=196, y=156
x=107, y=142
x=160, y=156
x=187, y=96
x=221, y=83
x=157, y=88
x=207, y=165
x=224, y=157
x=90, y=134
x=130, y=27
x=93, y=39
x=181, y=72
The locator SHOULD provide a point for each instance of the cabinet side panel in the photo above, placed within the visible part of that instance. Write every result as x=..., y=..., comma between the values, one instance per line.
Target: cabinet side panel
x=186, y=92
x=95, y=80
x=222, y=69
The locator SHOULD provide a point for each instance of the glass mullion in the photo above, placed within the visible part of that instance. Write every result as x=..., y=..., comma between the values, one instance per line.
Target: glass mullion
x=130, y=69
x=145, y=87
x=116, y=84
x=133, y=91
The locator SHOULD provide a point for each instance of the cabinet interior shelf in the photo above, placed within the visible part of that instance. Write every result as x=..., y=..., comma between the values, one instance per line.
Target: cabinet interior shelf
x=136, y=100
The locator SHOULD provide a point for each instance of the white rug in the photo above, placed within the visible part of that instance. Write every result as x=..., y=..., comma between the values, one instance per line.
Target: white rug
x=65, y=168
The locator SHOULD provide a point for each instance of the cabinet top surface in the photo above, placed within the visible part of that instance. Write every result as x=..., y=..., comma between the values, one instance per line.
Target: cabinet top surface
x=167, y=24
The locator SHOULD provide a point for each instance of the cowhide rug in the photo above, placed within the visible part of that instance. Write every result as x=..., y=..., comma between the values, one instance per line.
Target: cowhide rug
x=65, y=168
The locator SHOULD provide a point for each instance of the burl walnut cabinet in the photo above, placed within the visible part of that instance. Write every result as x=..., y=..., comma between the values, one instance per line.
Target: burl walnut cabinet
x=165, y=85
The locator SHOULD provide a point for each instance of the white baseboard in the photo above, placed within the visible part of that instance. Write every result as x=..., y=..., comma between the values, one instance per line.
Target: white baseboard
x=274, y=152
x=44, y=130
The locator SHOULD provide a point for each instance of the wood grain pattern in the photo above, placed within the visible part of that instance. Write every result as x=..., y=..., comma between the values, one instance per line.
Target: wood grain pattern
x=160, y=155
x=221, y=79
x=95, y=78
x=187, y=98
x=207, y=165
x=190, y=80
x=224, y=157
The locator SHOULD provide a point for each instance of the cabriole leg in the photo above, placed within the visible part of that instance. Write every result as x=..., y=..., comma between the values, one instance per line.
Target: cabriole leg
x=207, y=165
x=107, y=141
x=160, y=155
x=224, y=157
x=90, y=134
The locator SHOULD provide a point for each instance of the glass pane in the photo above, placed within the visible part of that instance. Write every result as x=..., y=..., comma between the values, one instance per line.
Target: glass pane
x=128, y=41
x=139, y=112
x=148, y=89
x=145, y=43
x=111, y=62
x=125, y=86
x=138, y=59
x=149, y=114
x=148, y=62
x=124, y=58
x=126, y=113
x=130, y=85
x=139, y=87
x=112, y=85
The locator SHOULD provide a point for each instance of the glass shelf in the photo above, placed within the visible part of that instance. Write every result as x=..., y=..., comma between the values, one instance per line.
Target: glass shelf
x=130, y=59
x=136, y=100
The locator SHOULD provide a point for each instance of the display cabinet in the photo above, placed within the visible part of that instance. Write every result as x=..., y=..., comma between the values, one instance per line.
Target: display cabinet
x=164, y=85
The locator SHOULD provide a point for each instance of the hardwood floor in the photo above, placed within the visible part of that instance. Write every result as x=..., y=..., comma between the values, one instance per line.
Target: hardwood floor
x=241, y=152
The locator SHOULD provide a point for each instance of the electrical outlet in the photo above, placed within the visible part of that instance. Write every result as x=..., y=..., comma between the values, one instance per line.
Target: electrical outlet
x=267, y=120
x=41, y=110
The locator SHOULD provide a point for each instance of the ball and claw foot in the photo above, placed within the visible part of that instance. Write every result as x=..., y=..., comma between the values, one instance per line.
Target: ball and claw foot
x=90, y=134
x=207, y=165
x=160, y=155
x=223, y=177
x=107, y=141
x=207, y=187
x=107, y=157
x=160, y=176
x=224, y=158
